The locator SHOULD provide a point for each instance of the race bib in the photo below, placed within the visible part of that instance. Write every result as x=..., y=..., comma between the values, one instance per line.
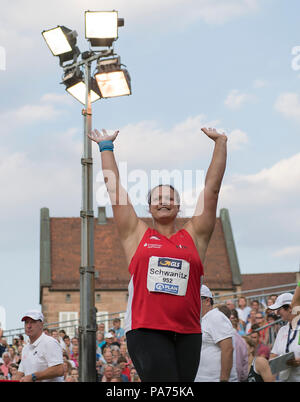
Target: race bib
x=168, y=275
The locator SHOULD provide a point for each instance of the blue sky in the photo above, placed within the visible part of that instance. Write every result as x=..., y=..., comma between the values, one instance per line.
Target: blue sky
x=226, y=63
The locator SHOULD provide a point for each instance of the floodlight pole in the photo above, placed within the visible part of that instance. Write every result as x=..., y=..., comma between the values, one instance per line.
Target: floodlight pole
x=88, y=325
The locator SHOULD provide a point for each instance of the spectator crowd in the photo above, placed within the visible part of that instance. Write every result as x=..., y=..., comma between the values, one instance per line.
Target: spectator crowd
x=113, y=363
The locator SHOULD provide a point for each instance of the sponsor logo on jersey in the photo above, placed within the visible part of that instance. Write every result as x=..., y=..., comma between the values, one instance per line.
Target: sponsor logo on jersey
x=154, y=238
x=148, y=245
x=164, y=287
x=170, y=263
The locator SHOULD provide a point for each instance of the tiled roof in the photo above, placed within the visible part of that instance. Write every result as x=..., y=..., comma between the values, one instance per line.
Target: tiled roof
x=267, y=280
x=110, y=259
x=217, y=271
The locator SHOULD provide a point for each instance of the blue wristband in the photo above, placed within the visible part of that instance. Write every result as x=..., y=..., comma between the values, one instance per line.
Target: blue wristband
x=106, y=146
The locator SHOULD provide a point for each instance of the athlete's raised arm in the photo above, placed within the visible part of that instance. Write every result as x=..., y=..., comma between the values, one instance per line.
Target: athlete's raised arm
x=202, y=224
x=130, y=227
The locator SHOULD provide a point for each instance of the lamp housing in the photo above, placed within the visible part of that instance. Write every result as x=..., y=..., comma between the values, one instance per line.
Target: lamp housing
x=62, y=43
x=101, y=27
x=75, y=86
x=112, y=79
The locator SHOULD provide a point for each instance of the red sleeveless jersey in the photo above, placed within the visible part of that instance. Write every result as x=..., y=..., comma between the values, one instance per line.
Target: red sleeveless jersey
x=164, y=289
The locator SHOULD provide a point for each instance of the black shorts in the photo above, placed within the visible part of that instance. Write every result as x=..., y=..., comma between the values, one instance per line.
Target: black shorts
x=164, y=356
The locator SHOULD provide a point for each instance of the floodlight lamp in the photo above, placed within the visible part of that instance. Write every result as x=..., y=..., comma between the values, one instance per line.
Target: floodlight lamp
x=78, y=91
x=62, y=43
x=76, y=86
x=112, y=80
x=101, y=27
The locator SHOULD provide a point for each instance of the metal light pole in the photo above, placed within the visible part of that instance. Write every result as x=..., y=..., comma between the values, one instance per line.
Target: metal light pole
x=62, y=43
x=88, y=325
x=87, y=328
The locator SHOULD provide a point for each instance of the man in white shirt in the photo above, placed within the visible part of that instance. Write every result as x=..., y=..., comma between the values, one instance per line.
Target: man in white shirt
x=216, y=361
x=42, y=358
x=287, y=339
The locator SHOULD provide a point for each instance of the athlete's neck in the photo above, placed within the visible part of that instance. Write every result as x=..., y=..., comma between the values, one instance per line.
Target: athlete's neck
x=165, y=230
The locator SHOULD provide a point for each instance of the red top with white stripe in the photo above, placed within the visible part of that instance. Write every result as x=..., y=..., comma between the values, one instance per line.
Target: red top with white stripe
x=151, y=307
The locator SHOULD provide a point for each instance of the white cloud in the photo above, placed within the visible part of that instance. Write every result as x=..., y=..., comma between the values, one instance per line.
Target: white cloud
x=182, y=145
x=47, y=174
x=47, y=109
x=58, y=99
x=218, y=12
x=183, y=153
x=266, y=204
x=288, y=251
x=33, y=14
x=259, y=83
x=282, y=177
x=288, y=104
x=156, y=147
x=29, y=114
x=30, y=18
x=235, y=99
x=274, y=187
x=237, y=139
x=184, y=12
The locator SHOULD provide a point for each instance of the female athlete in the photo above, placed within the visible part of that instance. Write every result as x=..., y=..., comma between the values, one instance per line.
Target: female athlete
x=162, y=327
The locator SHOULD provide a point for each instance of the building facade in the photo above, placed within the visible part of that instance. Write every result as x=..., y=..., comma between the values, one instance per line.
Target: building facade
x=60, y=263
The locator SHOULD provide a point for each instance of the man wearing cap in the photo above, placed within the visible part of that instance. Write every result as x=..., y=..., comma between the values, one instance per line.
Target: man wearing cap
x=109, y=341
x=287, y=339
x=216, y=363
x=42, y=358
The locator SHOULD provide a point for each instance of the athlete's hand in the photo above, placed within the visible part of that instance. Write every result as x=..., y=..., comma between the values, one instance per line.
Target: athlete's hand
x=213, y=134
x=97, y=136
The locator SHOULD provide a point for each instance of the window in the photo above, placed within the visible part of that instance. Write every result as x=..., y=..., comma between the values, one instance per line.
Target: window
x=68, y=320
x=122, y=316
x=103, y=316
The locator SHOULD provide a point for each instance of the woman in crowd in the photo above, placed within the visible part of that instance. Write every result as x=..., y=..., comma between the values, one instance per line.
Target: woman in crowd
x=258, y=366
